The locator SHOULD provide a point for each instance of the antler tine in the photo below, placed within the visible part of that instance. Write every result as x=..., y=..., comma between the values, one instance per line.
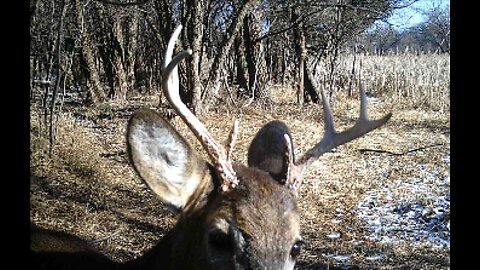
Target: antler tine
x=231, y=140
x=332, y=139
x=327, y=116
x=289, y=166
x=170, y=85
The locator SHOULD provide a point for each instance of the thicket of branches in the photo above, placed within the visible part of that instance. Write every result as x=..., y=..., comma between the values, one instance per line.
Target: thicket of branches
x=108, y=49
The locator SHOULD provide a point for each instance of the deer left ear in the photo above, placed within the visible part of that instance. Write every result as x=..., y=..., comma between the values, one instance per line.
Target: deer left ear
x=164, y=159
x=267, y=150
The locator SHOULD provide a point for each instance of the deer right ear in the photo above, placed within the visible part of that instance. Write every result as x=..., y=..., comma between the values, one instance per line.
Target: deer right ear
x=267, y=150
x=163, y=159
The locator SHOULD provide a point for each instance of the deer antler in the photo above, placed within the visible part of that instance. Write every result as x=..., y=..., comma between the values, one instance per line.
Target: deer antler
x=332, y=138
x=170, y=84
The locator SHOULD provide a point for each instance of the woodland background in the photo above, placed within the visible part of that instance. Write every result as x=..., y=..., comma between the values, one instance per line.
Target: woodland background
x=380, y=202
x=109, y=49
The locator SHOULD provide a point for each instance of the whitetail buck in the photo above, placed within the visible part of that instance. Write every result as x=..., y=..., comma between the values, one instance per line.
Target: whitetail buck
x=230, y=216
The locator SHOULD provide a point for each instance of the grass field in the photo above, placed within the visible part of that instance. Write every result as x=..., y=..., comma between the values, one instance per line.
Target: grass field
x=379, y=202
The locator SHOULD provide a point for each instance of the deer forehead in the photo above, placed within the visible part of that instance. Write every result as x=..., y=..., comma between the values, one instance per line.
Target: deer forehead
x=259, y=207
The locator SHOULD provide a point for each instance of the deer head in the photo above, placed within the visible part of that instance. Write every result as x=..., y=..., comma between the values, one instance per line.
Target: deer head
x=230, y=216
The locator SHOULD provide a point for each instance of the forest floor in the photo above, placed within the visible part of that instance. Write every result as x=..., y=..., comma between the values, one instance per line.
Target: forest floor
x=379, y=202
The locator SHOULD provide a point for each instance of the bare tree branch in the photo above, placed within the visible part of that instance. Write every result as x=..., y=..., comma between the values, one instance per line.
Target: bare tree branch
x=363, y=150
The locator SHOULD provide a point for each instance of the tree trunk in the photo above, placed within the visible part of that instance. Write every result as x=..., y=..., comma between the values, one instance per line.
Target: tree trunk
x=131, y=49
x=241, y=68
x=309, y=93
x=59, y=74
x=255, y=56
x=214, y=80
x=285, y=67
x=194, y=30
x=120, y=86
x=301, y=52
x=95, y=88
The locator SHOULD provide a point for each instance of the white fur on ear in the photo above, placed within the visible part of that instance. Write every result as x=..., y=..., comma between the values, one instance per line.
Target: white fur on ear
x=163, y=159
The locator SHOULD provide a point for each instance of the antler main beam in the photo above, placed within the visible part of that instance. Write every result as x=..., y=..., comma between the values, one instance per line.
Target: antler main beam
x=170, y=84
x=332, y=138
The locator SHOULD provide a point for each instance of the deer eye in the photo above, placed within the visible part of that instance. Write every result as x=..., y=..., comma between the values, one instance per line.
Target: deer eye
x=296, y=249
x=220, y=240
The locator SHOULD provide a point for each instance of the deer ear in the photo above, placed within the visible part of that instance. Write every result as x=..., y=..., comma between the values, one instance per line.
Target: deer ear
x=267, y=150
x=163, y=159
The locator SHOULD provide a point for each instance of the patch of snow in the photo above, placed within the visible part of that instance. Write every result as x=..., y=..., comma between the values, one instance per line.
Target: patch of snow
x=340, y=258
x=408, y=211
x=446, y=159
x=374, y=258
x=333, y=235
x=373, y=100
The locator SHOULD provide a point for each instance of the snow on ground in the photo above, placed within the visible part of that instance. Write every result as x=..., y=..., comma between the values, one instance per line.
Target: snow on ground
x=416, y=210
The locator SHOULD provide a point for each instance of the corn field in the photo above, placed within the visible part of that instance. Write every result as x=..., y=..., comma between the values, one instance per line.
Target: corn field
x=408, y=80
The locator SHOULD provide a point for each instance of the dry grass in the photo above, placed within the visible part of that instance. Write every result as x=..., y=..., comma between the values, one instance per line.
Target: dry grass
x=88, y=187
